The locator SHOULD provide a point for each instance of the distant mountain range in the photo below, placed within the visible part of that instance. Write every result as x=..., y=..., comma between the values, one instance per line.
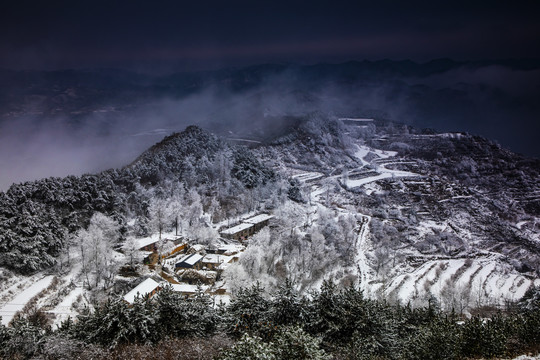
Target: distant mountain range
x=494, y=98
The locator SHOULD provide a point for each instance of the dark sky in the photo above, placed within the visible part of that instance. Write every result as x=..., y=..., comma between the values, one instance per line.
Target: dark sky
x=182, y=35
x=169, y=36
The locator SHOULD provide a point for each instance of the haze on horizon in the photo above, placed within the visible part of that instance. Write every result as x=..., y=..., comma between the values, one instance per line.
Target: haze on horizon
x=172, y=36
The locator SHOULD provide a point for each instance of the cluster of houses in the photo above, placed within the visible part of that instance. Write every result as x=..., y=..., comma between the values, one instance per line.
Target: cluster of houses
x=196, y=267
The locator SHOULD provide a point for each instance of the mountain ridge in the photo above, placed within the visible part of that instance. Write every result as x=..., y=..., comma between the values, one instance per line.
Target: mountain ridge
x=409, y=214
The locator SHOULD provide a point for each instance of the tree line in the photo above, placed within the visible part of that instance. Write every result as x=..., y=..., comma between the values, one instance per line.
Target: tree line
x=333, y=323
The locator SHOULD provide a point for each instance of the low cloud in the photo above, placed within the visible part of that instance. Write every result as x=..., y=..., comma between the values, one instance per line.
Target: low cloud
x=493, y=101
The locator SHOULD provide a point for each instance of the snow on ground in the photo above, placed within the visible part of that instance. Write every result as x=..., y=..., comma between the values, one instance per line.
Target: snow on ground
x=317, y=191
x=468, y=275
x=383, y=172
x=360, y=182
x=356, y=119
x=384, y=154
x=528, y=357
x=65, y=309
x=13, y=284
x=307, y=176
x=483, y=276
x=9, y=309
x=372, y=188
x=397, y=173
x=427, y=227
x=362, y=153
x=362, y=246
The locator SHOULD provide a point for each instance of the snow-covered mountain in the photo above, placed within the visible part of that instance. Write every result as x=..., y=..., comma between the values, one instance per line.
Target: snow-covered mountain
x=408, y=215
x=411, y=214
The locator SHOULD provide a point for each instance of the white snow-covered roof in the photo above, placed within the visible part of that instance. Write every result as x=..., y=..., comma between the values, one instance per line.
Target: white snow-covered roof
x=185, y=288
x=191, y=259
x=237, y=228
x=144, y=288
x=146, y=241
x=231, y=248
x=258, y=219
x=197, y=247
x=216, y=258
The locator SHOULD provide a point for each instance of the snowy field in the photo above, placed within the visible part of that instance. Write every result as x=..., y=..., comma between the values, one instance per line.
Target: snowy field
x=482, y=278
x=380, y=168
x=9, y=309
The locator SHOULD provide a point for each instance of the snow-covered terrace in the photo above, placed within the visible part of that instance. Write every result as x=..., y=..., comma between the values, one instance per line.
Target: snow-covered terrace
x=9, y=309
x=307, y=176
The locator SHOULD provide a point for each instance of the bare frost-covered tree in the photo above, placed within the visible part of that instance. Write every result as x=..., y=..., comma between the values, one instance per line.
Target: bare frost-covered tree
x=159, y=215
x=131, y=251
x=96, y=248
x=195, y=208
x=177, y=209
x=204, y=235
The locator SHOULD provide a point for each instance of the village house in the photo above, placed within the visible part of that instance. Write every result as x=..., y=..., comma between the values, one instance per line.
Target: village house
x=186, y=289
x=213, y=261
x=247, y=227
x=259, y=221
x=238, y=232
x=193, y=261
x=191, y=276
x=230, y=249
x=148, y=288
x=179, y=248
x=150, y=244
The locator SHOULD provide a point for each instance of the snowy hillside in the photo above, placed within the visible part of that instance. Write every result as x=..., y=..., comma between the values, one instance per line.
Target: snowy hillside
x=390, y=216
x=409, y=216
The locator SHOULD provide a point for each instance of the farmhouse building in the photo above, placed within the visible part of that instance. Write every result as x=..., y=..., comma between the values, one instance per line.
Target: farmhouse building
x=259, y=221
x=149, y=244
x=213, y=261
x=230, y=249
x=247, y=227
x=186, y=289
x=238, y=232
x=192, y=261
x=147, y=288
